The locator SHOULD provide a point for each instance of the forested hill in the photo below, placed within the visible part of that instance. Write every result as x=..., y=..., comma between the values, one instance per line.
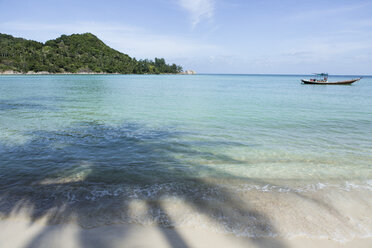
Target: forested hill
x=73, y=53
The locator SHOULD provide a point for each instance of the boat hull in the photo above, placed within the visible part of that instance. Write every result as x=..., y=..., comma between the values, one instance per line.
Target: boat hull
x=330, y=83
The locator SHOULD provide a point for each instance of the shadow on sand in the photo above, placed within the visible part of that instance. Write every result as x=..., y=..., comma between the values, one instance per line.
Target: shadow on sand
x=92, y=174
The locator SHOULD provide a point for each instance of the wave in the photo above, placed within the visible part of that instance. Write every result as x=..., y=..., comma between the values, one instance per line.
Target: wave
x=322, y=210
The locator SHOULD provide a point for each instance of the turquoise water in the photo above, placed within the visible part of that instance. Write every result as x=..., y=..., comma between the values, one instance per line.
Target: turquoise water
x=97, y=140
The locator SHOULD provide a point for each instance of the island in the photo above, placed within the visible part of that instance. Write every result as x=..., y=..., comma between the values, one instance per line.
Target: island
x=73, y=54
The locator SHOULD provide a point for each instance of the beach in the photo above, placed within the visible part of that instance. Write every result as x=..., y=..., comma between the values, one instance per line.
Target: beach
x=184, y=161
x=24, y=234
x=250, y=217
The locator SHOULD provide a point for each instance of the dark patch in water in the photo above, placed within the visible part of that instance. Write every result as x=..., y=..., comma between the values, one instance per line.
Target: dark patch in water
x=10, y=105
x=30, y=103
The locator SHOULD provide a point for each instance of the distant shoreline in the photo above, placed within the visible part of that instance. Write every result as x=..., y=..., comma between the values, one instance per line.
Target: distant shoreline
x=181, y=73
x=189, y=72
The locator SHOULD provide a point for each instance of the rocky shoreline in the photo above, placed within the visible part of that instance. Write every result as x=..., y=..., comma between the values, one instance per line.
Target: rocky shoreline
x=10, y=72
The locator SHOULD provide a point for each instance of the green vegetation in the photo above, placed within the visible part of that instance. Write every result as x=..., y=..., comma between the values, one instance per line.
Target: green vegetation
x=74, y=53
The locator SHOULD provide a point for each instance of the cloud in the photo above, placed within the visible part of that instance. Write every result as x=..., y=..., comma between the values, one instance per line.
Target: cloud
x=198, y=9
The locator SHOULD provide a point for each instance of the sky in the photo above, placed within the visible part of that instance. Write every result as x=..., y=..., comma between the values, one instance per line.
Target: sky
x=212, y=36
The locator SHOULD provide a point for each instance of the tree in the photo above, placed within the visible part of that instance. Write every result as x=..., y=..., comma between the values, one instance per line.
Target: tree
x=73, y=53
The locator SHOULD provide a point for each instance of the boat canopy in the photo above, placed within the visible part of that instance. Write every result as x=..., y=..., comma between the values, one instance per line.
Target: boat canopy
x=320, y=77
x=321, y=74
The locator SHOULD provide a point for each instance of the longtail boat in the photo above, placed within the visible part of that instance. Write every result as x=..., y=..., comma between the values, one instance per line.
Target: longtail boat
x=322, y=78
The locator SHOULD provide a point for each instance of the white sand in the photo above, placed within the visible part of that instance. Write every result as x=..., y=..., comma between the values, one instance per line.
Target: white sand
x=22, y=233
x=314, y=219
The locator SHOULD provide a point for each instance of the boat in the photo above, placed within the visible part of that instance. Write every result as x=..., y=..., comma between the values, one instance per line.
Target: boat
x=322, y=78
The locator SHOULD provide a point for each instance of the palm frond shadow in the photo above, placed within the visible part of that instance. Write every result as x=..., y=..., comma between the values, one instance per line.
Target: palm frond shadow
x=92, y=174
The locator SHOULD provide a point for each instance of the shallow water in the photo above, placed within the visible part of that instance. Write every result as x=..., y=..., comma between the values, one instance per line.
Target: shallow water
x=245, y=154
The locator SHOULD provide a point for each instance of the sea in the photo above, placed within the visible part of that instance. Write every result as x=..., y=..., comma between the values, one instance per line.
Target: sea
x=246, y=155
